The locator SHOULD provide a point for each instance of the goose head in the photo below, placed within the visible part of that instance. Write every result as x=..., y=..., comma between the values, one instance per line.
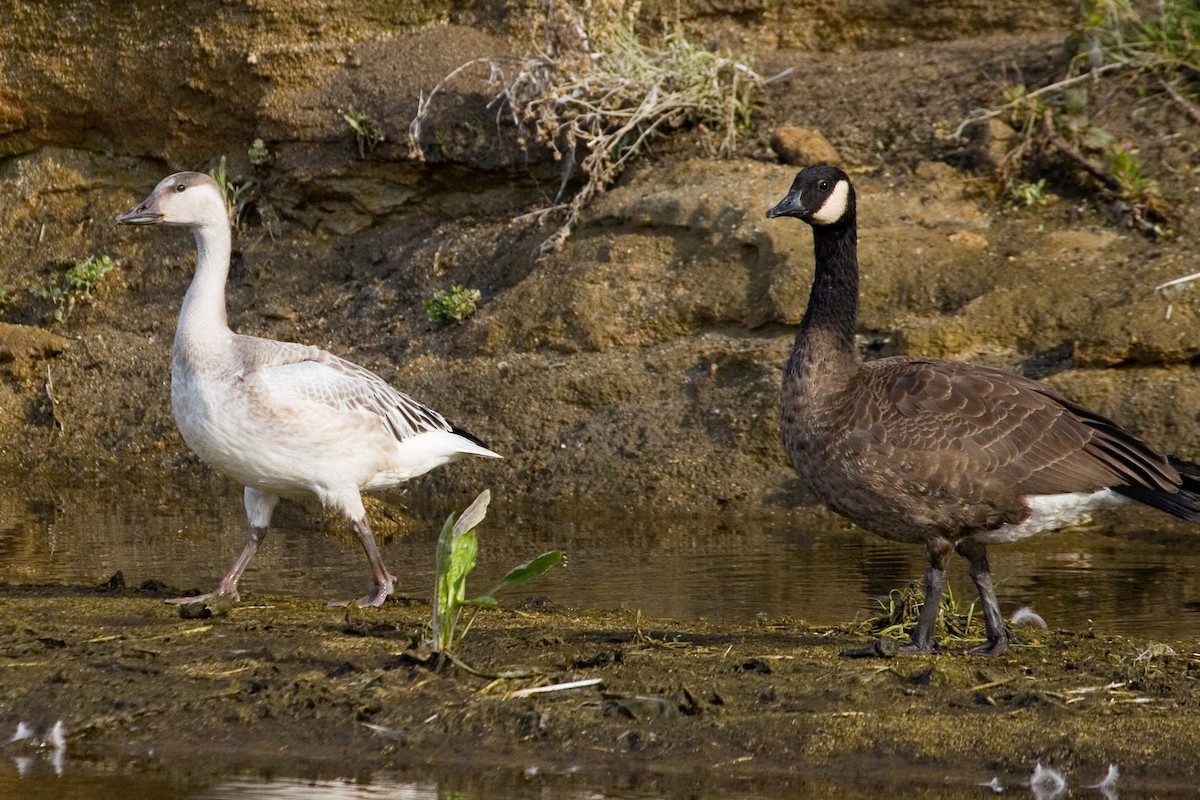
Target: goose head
x=820, y=195
x=190, y=199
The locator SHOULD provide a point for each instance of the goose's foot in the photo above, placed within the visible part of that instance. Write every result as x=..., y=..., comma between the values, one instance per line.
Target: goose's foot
x=384, y=580
x=373, y=599
x=993, y=647
x=225, y=595
x=204, y=606
x=924, y=642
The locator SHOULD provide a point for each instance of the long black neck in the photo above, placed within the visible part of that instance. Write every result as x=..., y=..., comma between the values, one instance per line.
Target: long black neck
x=832, y=315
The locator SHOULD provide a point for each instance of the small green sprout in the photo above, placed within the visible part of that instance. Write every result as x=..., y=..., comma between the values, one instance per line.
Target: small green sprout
x=66, y=289
x=7, y=298
x=1134, y=185
x=234, y=192
x=258, y=152
x=1028, y=195
x=456, y=551
x=366, y=132
x=452, y=305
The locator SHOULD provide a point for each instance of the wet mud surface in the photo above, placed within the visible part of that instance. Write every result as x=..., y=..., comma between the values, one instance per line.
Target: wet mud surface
x=284, y=685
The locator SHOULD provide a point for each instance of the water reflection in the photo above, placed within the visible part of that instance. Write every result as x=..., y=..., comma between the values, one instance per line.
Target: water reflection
x=319, y=790
x=105, y=783
x=1138, y=572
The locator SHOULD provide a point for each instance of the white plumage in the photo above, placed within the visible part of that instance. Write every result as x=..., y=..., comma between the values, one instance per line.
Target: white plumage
x=1051, y=512
x=284, y=419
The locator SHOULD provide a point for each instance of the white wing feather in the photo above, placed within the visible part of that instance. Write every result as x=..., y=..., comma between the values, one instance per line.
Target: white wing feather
x=309, y=375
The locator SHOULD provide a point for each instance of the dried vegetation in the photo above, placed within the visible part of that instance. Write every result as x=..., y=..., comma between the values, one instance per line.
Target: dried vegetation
x=1120, y=55
x=596, y=93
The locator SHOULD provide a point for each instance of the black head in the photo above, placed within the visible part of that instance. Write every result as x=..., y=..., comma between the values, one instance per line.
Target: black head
x=820, y=195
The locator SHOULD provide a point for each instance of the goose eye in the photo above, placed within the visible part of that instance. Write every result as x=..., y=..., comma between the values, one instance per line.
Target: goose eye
x=179, y=187
x=823, y=185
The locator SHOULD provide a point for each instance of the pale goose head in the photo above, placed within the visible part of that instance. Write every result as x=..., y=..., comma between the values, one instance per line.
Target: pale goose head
x=189, y=199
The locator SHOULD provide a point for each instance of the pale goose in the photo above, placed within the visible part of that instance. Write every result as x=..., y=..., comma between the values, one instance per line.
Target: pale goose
x=940, y=453
x=285, y=420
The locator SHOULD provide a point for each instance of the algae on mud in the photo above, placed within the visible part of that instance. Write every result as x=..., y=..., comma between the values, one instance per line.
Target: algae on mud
x=285, y=685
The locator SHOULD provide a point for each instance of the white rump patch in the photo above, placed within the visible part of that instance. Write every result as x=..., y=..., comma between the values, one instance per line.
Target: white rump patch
x=1050, y=512
x=834, y=206
x=418, y=454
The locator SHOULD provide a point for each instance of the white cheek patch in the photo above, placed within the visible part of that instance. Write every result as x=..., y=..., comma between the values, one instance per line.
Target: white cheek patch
x=834, y=206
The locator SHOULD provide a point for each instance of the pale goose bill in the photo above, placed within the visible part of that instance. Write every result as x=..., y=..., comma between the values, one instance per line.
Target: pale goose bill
x=942, y=453
x=283, y=419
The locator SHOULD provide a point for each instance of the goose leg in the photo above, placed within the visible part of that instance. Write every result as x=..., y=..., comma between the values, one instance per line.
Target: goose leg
x=935, y=584
x=981, y=576
x=259, y=507
x=384, y=582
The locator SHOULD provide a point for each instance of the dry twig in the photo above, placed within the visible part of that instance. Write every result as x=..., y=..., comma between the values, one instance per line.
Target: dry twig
x=596, y=96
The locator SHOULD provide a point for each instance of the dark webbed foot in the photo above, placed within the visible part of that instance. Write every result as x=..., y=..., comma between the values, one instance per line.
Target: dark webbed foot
x=914, y=649
x=997, y=647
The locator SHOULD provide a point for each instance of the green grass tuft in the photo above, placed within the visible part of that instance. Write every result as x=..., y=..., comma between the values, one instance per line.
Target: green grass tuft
x=66, y=289
x=452, y=305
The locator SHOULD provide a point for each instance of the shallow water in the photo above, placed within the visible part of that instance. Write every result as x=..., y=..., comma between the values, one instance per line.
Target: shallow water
x=1134, y=572
x=82, y=782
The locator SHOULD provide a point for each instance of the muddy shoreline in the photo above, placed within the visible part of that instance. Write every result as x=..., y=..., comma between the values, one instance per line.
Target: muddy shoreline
x=286, y=686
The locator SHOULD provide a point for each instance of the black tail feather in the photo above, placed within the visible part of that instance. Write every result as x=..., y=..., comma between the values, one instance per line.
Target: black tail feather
x=466, y=435
x=1183, y=503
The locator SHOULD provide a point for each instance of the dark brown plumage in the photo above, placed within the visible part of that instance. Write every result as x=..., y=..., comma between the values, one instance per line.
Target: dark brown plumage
x=942, y=453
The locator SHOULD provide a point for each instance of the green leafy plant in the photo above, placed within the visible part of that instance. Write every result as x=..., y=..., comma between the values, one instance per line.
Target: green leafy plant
x=236, y=193
x=7, y=298
x=366, y=132
x=1027, y=195
x=452, y=305
x=457, y=549
x=258, y=152
x=74, y=285
x=1134, y=185
x=1117, y=32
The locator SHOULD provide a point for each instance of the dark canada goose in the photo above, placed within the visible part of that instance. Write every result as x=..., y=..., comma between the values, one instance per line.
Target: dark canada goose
x=283, y=419
x=944, y=454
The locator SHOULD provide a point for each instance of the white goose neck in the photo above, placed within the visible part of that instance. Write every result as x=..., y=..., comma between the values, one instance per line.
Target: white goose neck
x=203, y=312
